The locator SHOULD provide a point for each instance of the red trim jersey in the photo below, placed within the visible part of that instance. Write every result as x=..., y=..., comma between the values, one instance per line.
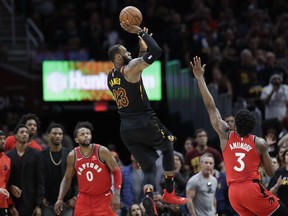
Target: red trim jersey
x=241, y=158
x=11, y=143
x=94, y=177
x=5, y=167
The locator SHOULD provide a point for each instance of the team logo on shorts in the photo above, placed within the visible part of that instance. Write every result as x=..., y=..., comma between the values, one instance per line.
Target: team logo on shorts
x=171, y=138
x=271, y=200
x=4, y=168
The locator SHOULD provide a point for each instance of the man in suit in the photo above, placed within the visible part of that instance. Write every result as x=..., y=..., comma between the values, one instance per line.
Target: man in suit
x=26, y=178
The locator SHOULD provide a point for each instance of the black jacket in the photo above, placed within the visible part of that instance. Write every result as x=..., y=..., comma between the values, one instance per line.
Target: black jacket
x=73, y=191
x=27, y=174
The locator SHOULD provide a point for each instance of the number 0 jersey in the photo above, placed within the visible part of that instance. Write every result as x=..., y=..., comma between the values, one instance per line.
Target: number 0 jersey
x=131, y=98
x=94, y=177
x=241, y=158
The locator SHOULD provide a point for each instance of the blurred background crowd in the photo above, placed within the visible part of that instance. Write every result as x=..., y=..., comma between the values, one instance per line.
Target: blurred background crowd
x=243, y=43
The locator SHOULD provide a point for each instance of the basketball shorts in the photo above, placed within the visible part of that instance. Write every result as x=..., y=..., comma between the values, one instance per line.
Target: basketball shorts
x=250, y=197
x=87, y=205
x=143, y=136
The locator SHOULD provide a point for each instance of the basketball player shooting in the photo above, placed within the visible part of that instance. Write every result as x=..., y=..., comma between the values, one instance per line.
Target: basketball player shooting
x=141, y=131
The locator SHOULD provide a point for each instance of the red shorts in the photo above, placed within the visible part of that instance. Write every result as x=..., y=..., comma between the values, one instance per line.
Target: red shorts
x=87, y=205
x=249, y=198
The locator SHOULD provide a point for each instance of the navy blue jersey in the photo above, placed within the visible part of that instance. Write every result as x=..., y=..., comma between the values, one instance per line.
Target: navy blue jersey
x=131, y=98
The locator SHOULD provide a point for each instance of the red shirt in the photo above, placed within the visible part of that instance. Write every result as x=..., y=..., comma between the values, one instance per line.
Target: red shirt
x=192, y=159
x=241, y=158
x=94, y=177
x=5, y=167
x=11, y=143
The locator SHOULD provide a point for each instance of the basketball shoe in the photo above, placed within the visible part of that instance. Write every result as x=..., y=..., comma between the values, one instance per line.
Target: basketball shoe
x=172, y=198
x=150, y=207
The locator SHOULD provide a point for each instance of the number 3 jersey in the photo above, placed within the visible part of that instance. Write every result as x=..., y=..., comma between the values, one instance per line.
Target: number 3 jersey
x=241, y=158
x=94, y=177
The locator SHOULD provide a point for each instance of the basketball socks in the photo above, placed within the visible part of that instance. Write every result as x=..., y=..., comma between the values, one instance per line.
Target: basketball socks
x=169, y=183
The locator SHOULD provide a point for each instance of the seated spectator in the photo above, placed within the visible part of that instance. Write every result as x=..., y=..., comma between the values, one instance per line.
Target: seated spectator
x=132, y=185
x=280, y=156
x=265, y=179
x=135, y=210
x=192, y=159
x=271, y=129
x=188, y=145
x=220, y=83
x=278, y=183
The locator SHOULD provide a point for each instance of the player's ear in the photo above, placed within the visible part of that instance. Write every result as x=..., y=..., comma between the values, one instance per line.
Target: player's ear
x=118, y=56
x=76, y=140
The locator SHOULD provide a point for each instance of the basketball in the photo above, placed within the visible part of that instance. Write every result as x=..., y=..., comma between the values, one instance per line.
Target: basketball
x=132, y=14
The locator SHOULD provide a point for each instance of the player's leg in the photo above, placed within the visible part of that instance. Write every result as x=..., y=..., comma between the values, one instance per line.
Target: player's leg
x=82, y=207
x=168, y=164
x=233, y=194
x=255, y=197
x=146, y=157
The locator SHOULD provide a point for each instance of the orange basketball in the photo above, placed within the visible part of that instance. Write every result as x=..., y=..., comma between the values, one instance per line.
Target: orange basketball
x=132, y=14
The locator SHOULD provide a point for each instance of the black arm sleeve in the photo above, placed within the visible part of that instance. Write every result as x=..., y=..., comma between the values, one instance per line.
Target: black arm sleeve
x=154, y=51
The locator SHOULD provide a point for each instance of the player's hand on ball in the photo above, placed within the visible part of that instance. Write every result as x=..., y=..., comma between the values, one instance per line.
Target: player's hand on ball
x=133, y=29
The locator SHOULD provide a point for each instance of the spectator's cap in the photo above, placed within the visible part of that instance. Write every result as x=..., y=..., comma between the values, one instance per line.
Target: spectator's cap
x=275, y=76
x=2, y=133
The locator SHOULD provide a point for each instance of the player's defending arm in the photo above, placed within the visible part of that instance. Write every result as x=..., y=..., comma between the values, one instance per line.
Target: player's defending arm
x=109, y=160
x=153, y=50
x=66, y=182
x=266, y=162
x=218, y=124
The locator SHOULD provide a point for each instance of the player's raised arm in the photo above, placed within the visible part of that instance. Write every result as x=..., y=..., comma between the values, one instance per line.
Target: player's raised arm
x=218, y=124
x=153, y=49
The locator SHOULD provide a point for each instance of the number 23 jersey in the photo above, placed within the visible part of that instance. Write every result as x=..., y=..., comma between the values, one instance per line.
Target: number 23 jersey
x=130, y=97
x=241, y=158
x=94, y=177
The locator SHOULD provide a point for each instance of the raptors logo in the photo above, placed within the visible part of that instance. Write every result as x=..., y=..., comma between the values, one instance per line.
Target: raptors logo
x=271, y=200
x=4, y=168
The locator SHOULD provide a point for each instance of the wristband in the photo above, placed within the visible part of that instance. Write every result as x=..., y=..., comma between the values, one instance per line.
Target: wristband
x=117, y=178
x=59, y=198
x=141, y=33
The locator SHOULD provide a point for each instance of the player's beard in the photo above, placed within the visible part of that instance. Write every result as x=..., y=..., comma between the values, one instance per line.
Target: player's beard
x=126, y=60
x=85, y=144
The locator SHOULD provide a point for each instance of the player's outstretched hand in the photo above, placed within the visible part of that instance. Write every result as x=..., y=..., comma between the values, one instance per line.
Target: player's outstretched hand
x=197, y=68
x=133, y=29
